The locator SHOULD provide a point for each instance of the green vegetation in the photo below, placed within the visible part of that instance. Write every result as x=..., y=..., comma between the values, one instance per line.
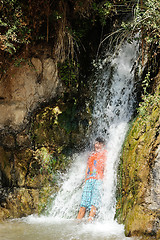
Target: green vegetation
x=47, y=162
x=14, y=28
x=23, y=22
x=145, y=27
x=103, y=10
x=146, y=106
x=136, y=165
x=146, y=23
x=68, y=72
x=149, y=101
x=19, y=61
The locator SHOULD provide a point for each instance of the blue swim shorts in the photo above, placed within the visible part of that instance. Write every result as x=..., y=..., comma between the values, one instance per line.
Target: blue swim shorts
x=92, y=192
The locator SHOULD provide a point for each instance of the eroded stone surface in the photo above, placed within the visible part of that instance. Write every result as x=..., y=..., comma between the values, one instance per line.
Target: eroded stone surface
x=25, y=88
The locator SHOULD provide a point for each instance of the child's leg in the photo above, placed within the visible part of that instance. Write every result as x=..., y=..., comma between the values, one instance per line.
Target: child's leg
x=81, y=213
x=92, y=213
x=86, y=199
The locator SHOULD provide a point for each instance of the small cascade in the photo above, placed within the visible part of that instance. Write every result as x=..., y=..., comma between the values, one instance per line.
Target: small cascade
x=67, y=201
x=114, y=105
x=113, y=109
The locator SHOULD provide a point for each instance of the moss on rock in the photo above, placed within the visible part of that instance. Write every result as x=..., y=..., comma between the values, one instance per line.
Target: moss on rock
x=136, y=179
x=30, y=168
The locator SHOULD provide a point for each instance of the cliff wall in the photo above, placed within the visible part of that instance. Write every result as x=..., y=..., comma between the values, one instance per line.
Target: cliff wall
x=138, y=204
x=43, y=119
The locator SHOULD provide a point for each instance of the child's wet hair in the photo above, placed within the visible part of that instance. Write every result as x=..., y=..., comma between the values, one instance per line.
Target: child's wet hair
x=100, y=140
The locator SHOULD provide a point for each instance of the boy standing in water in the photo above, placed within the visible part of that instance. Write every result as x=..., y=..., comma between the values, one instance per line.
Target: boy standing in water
x=91, y=196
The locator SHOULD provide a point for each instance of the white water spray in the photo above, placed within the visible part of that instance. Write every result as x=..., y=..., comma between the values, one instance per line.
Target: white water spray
x=114, y=104
x=113, y=109
x=68, y=198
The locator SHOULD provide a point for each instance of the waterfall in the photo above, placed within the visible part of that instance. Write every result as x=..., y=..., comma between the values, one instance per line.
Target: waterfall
x=113, y=109
x=114, y=105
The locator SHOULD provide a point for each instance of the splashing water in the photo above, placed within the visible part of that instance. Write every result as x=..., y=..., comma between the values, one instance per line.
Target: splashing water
x=67, y=201
x=114, y=106
x=113, y=109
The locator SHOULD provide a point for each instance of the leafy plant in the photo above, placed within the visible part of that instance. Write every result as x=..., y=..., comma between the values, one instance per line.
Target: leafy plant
x=149, y=101
x=103, y=10
x=146, y=22
x=68, y=72
x=14, y=29
x=19, y=61
x=145, y=83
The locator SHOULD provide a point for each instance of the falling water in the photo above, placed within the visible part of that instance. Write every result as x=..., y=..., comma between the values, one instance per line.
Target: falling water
x=113, y=109
x=114, y=106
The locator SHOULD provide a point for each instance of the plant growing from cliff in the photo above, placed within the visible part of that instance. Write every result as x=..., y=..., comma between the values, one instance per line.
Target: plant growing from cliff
x=22, y=22
x=149, y=101
x=48, y=162
x=146, y=22
x=14, y=29
x=145, y=83
x=68, y=119
x=103, y=9
x=19, y=61
x=145, y=27
x=68, y=72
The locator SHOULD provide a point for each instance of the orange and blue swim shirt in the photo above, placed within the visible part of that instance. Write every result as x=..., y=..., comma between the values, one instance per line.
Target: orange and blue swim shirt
x=96, y=164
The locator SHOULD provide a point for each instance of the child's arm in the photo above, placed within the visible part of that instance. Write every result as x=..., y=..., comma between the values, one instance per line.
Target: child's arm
x=86, y=172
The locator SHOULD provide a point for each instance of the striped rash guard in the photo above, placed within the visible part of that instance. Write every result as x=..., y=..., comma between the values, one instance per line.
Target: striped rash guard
x=96, y=164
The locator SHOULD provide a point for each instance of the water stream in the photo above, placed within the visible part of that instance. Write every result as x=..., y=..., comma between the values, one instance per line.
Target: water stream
x=113, y=109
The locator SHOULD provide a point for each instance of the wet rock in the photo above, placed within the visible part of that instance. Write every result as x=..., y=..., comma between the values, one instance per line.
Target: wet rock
x=20, y=202
x=138, y=204
x=138, y=221
x=4, y=213
x=5, y=167
x=153, y=196
x=37, y=64
x=39, y=126
x=23, y=140
x=8, y=141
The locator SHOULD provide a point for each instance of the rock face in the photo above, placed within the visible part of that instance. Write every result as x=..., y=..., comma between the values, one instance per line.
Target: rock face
x=28, y=83
x=41, y=121
x=138, y=204
x=23, y=180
